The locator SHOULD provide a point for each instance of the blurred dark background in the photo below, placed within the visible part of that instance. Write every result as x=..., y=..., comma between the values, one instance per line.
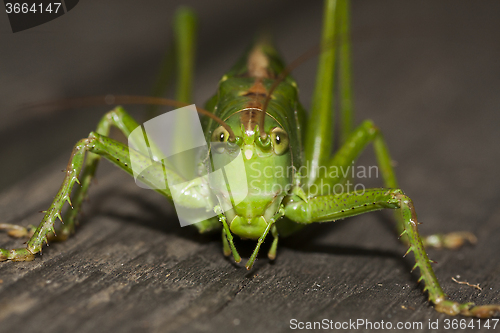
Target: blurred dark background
x=444, y=51
x=427, y=73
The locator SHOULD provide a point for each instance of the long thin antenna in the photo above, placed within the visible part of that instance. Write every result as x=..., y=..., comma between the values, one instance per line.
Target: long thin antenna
x=93, y=101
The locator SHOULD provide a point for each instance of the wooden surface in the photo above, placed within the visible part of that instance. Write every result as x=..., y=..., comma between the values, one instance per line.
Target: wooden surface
x=427, y=73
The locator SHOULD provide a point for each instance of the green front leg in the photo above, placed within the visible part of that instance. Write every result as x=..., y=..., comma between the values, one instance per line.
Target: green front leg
x=270, y=227
x=227, y=238
x=332, y=207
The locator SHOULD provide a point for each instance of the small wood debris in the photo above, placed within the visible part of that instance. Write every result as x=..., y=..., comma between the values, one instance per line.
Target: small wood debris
x=467, y=283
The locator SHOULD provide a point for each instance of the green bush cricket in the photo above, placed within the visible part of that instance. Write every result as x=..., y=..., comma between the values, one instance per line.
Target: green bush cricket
x=297, y=205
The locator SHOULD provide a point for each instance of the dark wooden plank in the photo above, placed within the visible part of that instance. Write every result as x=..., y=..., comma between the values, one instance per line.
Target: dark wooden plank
x=426, y=73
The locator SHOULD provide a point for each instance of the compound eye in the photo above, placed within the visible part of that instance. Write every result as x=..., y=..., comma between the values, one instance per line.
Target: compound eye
x=279, y=138
x=220, y=135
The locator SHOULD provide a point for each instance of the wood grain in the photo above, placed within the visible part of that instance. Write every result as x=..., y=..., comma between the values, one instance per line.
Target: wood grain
x=427, y=73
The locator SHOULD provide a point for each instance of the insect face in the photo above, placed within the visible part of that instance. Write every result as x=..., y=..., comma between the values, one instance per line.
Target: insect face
x=267, y=174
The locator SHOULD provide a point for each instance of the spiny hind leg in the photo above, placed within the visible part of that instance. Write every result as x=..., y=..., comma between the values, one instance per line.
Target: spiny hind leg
x=184, y=30
x=333, y=207
x=185, y=22
x=117, y=117
x=367, y=133
x=47, y=225
x=354, y=142
x=96, y=144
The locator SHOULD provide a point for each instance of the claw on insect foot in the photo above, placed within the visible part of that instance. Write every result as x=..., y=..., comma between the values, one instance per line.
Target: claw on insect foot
x=249, y=265
x=467, y=309
x=485, y=311
x=22, y=254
